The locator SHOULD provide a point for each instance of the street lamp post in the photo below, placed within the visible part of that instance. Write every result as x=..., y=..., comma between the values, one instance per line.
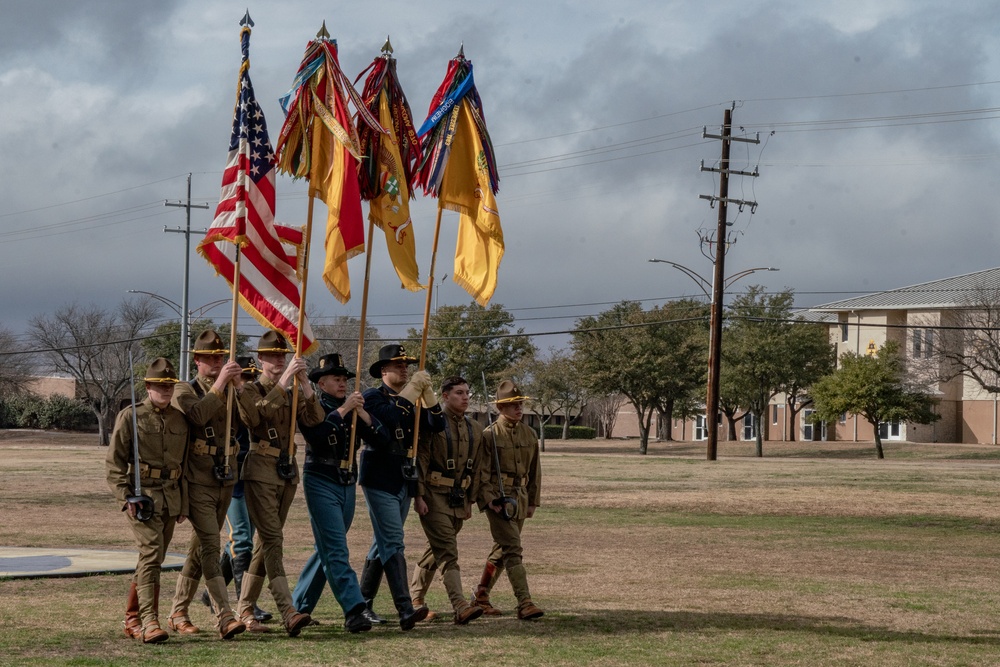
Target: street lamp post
x=183, y=371
x=437, y=291
x=717, y=287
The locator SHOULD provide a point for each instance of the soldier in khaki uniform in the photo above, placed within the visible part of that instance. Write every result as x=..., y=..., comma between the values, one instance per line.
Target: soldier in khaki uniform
x=162, y=436
x=446, y=487
x=271, y=473
x=209, y=479
x=520, y=470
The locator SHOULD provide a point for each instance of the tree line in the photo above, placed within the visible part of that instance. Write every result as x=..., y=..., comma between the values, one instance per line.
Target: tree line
x=654, y=360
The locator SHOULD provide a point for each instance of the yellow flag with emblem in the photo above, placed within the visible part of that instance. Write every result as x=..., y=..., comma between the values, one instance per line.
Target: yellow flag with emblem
x=390, y=211
x=466, y=188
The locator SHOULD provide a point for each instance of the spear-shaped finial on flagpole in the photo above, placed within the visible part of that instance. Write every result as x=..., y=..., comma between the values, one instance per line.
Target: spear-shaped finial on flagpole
x=247, y=21
x=323, y=32
x=461, y=52
x=387, y=47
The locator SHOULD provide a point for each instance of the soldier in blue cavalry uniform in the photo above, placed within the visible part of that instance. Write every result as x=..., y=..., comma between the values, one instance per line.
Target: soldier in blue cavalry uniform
x=329, y=479
x=388, y=477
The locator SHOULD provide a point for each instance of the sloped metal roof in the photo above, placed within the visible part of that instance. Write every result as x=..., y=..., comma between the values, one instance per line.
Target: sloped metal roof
x=956, y=292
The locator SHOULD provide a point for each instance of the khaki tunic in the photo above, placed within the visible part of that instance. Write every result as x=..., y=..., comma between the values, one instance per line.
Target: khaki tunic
x=207, y=498
x=264, y=405
x=163, y=436
x=520, y=466
x=442, y=523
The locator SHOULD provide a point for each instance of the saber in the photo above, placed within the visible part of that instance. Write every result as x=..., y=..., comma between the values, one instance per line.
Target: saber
x=143, y=504
x=508, y=504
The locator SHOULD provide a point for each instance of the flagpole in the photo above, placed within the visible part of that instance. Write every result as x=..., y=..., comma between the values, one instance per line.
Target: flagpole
x=349, y=461
x=230, y=392
x=302, y=322
x=427, y=323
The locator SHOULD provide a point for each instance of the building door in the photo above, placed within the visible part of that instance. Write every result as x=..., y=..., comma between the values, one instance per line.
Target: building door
x=700, y=428
x=808, y=428
x=890, y=430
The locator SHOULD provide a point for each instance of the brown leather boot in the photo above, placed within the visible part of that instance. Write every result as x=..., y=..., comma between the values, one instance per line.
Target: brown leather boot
x=152, y=633
x=527, y=611
x=292, y=619
x=229, y=627
x=182, y=625
x=481, y=596
x=249, y=592
x=179, y=620
x=469, y=612
x=133, y=624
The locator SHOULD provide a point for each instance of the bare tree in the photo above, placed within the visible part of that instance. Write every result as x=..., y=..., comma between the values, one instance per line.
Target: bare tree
x=92, y=345
x=554, y=385
x=968, y=345
x=341, y=335
x=604, y=411
x=16, y=367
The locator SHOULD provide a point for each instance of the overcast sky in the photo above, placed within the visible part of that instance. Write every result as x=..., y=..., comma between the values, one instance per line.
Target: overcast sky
x=878, y=159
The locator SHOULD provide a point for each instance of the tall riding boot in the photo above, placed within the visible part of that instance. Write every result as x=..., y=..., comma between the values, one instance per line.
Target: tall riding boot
x=227, y=625
x=420, y=582
x=464, y=610
x=395, y=576
x=179, y=620
x=133, y=624
x=239, y=565
x=481, y=596
x=526, y=609
x=371, y=579
x=249, y=592
x=290, y=616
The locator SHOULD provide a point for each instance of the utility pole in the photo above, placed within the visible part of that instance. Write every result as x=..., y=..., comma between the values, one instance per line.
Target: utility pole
x=718, y=282
x=185, y=336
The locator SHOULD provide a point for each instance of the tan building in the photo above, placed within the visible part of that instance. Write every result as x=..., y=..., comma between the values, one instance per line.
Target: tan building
x=53, y=386
x=923, y=319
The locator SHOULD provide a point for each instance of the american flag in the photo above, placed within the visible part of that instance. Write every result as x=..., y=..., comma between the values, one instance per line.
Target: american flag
x=269, y=281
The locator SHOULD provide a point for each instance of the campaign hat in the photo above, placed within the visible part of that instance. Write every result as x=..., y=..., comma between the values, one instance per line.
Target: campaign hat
x=273, y=342
x=508, y=392
x=161, y=371
x=330, y=364
x=209, y=342
x=389, y=353
x=248, y=365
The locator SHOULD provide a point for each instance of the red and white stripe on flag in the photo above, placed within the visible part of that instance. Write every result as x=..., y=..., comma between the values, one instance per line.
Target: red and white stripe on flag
x=269, y=279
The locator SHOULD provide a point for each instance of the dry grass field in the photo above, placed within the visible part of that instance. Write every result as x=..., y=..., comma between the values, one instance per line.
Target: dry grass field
x=817, y=554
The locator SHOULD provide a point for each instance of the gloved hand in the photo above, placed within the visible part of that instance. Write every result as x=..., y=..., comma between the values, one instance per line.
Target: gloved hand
x=428, y=397
x=415, y=387
x=423, y=378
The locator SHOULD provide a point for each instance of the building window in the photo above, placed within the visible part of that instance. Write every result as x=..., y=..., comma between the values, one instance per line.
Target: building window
x=923, y=343
x=843, y=331
x=843, y=417
x=774, y=413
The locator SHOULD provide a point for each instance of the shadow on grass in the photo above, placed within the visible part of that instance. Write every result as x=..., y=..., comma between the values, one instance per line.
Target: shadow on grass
x=566, y=626
x=618, y=622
